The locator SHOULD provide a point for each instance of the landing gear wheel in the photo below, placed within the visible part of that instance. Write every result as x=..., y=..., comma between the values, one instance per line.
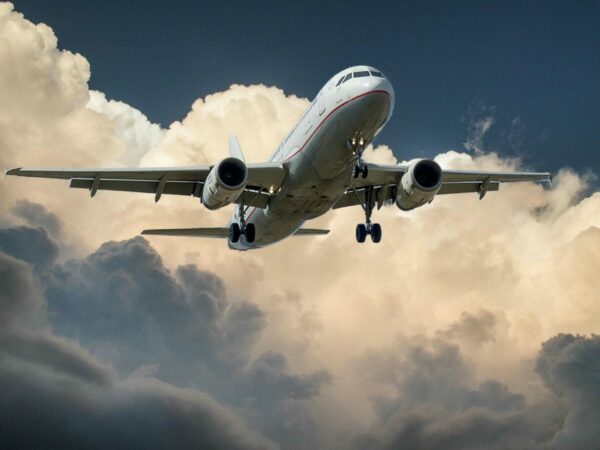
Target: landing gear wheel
x=250, y=233
x=361, y=170
x=376, y=232
x=234, y=232
x=361, y=232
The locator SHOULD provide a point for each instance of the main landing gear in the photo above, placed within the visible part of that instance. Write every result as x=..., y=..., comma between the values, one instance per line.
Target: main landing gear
x=368, y=228
x=245, y=229
x=357, y=145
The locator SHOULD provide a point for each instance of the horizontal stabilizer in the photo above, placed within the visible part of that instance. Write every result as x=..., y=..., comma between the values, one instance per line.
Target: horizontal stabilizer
x=219, y=232
x=310, y=232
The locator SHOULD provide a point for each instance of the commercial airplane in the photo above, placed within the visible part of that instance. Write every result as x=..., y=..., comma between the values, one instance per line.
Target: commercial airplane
x=318, y=166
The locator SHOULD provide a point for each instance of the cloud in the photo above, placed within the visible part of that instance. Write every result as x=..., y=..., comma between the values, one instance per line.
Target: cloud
x=438, y=404
x=58, y=395
x=35, y=214
x=137, y=134
x=569, y=365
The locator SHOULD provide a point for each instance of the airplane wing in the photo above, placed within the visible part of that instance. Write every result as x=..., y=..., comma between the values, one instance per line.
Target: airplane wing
x=263, y=178
x=385, y=178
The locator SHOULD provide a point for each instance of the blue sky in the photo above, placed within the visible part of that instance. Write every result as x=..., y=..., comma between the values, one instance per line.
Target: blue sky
x=532, y=66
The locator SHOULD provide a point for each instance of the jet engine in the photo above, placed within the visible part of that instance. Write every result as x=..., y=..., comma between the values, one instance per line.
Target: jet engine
x=419, y=184
x=225, y=182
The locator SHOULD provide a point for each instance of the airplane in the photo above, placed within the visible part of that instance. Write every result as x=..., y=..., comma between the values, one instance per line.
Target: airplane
x=317, y=167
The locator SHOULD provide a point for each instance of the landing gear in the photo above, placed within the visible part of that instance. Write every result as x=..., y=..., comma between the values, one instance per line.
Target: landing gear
x=234, y=232
x=368, y=228
x=250, y=233
x=248, y=230
x=357, y=145
x=361, y=232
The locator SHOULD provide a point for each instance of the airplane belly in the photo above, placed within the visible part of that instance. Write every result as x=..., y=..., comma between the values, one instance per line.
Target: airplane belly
x=328, y=152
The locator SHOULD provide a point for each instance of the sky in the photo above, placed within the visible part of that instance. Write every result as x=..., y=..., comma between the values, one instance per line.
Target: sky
x=473, y=324
x=530, y=67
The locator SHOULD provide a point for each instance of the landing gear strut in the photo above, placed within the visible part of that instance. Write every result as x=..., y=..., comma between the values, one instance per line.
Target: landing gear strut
x=242, y=229
x=357, y=145
x=368, y=228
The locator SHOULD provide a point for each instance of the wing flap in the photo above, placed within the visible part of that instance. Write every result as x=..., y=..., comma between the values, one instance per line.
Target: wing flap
x=150, y=187
x=453, y=176
x=465, y=187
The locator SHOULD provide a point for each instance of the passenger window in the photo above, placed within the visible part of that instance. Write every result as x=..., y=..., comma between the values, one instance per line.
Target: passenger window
x=347, y=77
x=376, y=74
x=340, y=81
x=363, y=73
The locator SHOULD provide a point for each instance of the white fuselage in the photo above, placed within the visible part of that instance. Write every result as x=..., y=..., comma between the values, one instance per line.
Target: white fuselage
x=316, y=154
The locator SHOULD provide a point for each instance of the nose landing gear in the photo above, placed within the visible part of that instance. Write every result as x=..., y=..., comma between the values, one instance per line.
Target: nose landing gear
x=357, y=145
x=247, y=230
x=368, y=228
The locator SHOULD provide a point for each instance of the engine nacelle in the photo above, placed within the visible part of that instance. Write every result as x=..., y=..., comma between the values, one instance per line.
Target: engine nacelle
x=419, y=184
x=225, y=182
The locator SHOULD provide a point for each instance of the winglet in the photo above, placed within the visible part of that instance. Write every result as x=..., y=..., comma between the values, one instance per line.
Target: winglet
x=12, y=171
x=235, y=149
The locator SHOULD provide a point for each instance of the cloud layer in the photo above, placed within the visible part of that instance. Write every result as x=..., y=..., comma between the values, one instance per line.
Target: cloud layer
x=473, y=324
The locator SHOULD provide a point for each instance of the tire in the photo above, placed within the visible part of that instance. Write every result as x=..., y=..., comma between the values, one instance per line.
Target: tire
x=361, y=233
x=376, y=232
x=234, y=232
x=250, y=233
x=365, y=171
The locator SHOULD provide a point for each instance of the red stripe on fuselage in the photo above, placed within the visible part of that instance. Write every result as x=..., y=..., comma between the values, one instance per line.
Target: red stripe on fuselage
x=377, y=91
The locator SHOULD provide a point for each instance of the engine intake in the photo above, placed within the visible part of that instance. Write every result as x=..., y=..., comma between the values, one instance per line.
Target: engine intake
x=419, y=184
x=224, y=184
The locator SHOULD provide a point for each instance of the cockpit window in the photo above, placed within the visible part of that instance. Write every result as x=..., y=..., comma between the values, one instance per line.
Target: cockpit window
x=340, y=81
x=347, y=77
x=362, y=73
x=376, y=74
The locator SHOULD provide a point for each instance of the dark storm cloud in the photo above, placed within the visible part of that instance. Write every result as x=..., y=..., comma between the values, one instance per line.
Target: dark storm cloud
x=128, y=309
x=439, y=406
x=570, y=367
x=41, y=409
x=55, y=394
x=20, y=300
x=122, y=301
x=475, y=327
x=33, y=245
x=37, y=215
x=125, y=305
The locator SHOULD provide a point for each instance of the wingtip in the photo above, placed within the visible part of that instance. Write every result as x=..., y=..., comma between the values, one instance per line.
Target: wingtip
x=12, y=171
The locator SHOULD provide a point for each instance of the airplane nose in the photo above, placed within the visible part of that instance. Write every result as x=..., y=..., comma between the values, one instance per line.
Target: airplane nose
x=376, y=83
x=382, y=84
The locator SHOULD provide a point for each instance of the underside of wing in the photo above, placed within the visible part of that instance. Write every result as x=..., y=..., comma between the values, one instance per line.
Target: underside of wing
x=381, y=183
x=263, y=180
x=454, y=176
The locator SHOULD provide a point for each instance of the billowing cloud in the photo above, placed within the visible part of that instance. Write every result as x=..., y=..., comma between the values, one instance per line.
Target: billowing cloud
x=447, y=334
